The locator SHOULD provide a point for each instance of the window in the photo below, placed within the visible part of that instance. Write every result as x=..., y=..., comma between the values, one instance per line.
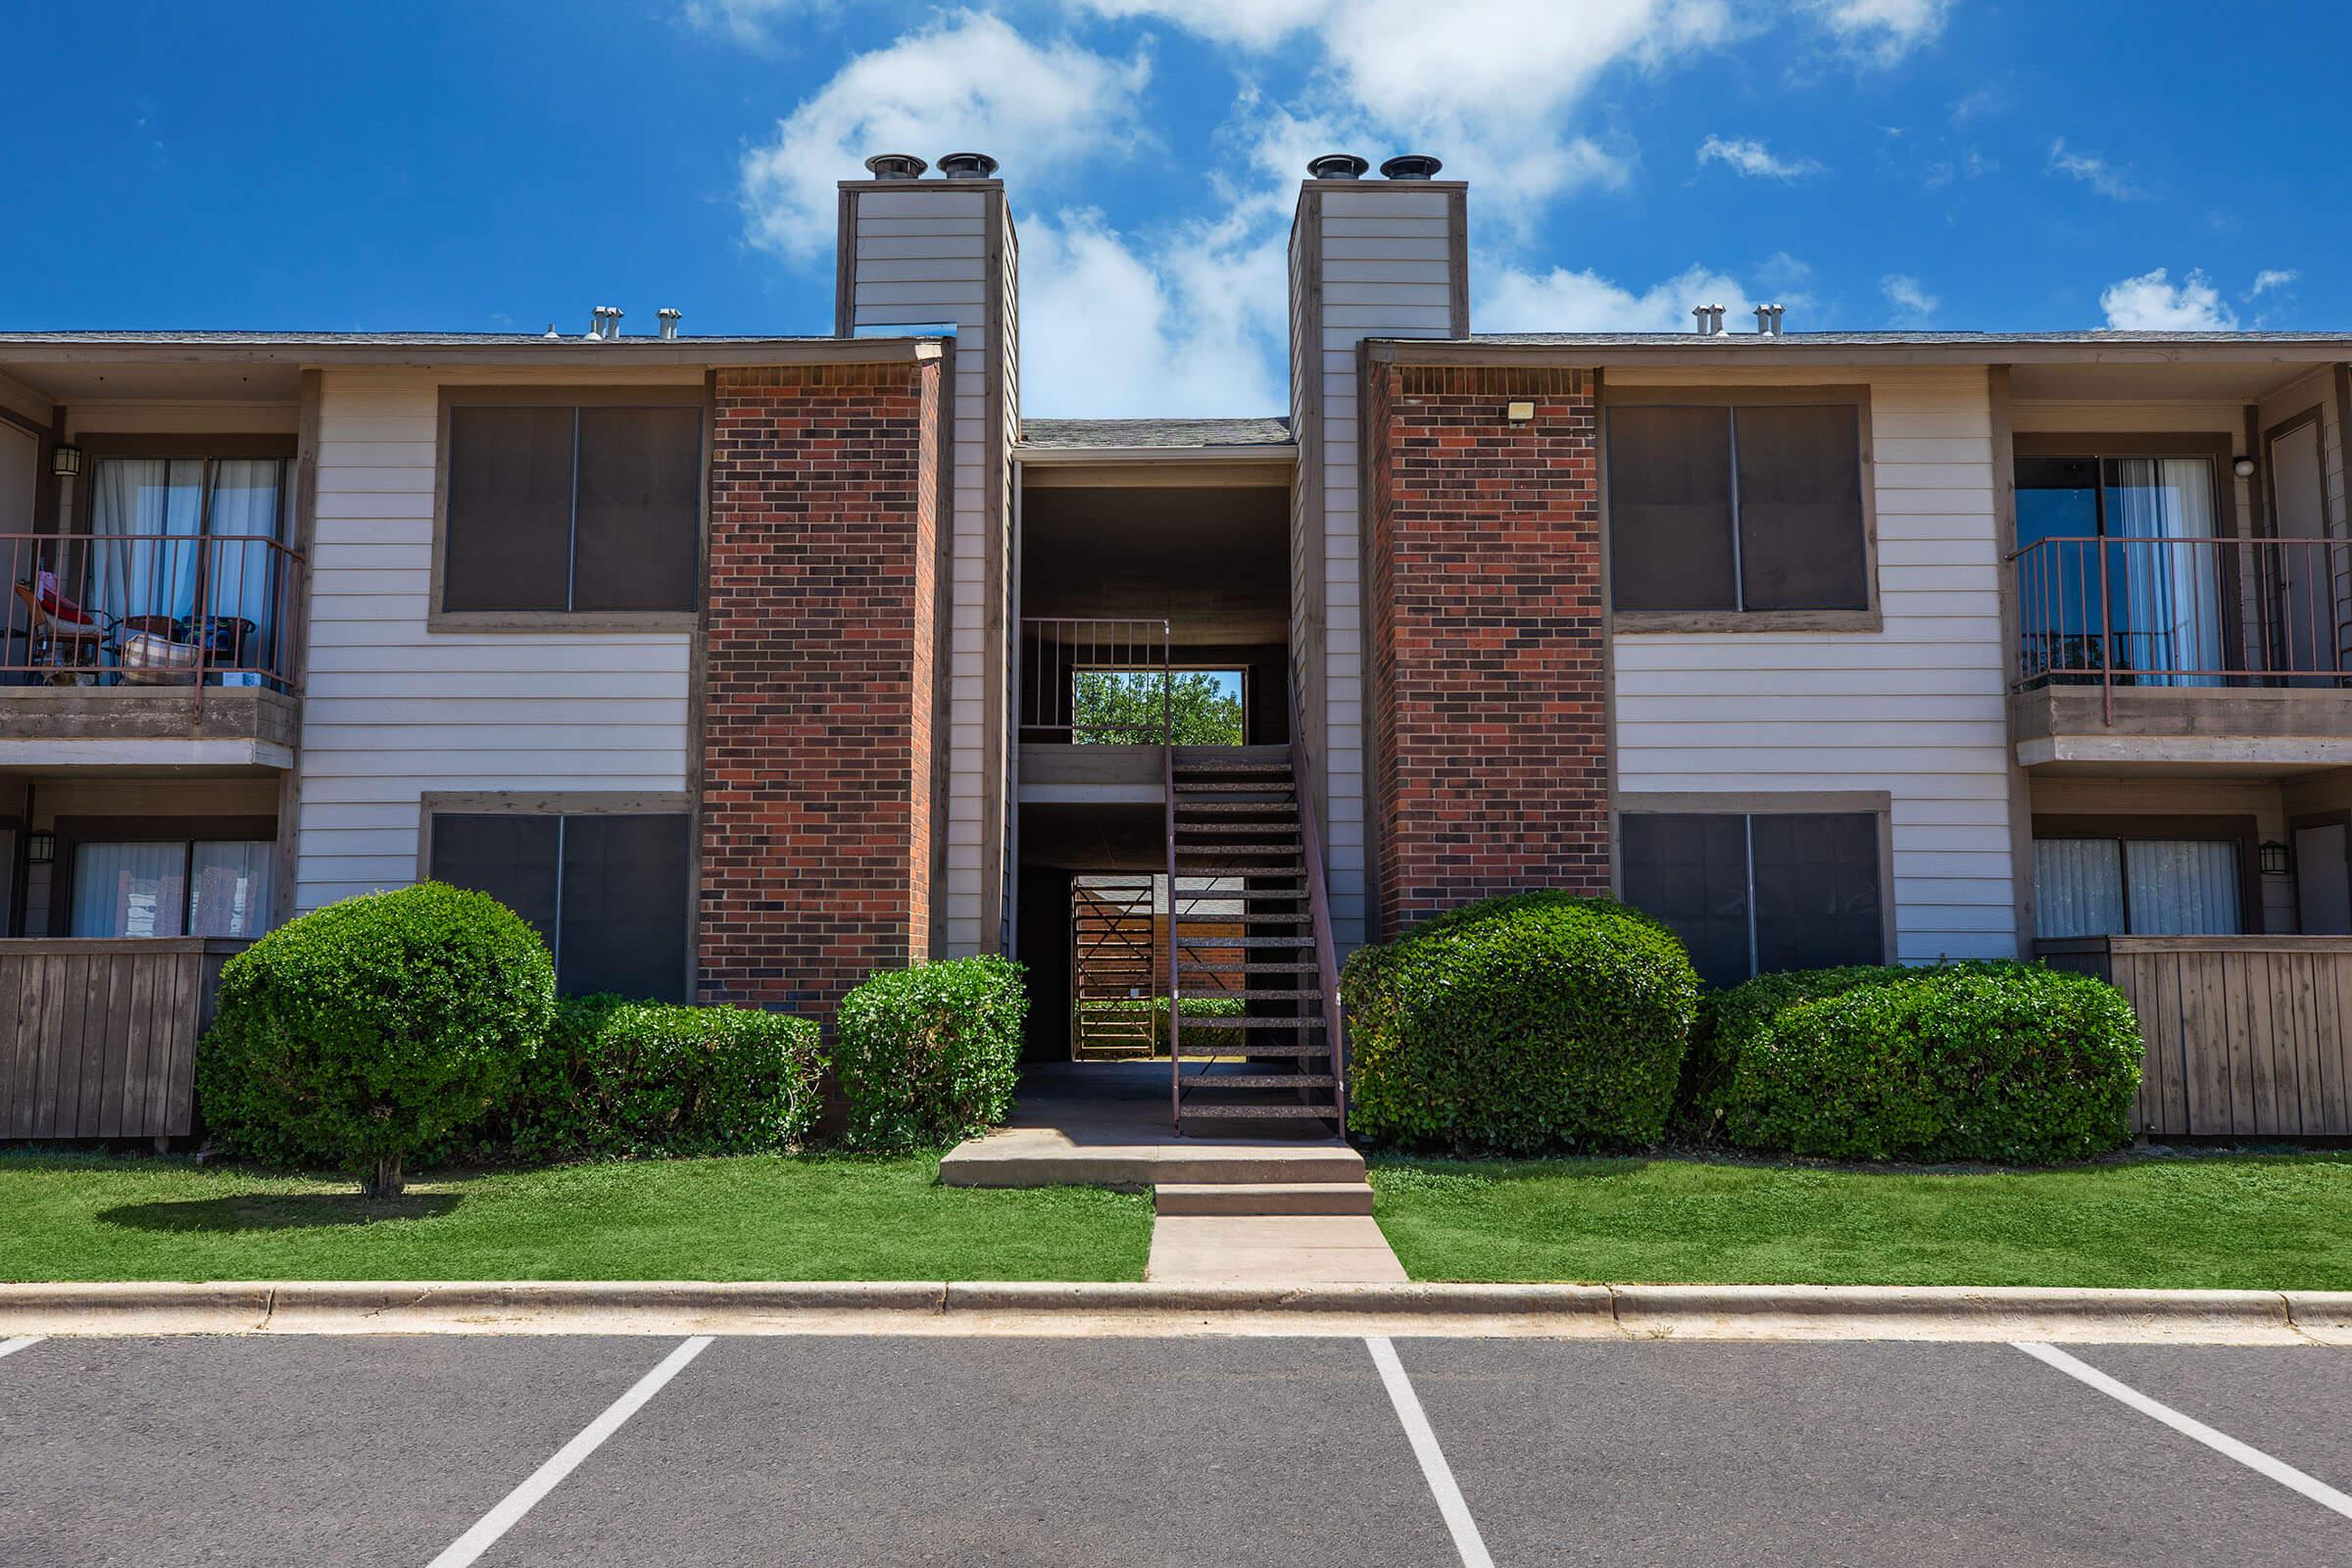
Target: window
x=2131, y=533
x=1754, y=893
x=185, y=551
x=171, y=888
x=608, y=890
x=2125, y=886
x=571, y=509
x=1737, y=507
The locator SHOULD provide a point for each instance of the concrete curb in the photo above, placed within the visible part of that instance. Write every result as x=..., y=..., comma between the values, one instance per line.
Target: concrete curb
x=981, y=1309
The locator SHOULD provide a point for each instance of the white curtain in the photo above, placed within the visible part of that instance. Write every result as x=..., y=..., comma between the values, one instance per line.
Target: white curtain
x=2182, y=889
x=2078, y=887
x=242, y=576
x=2170, y=618
x=152, y=504
x=130, y=890
x=230, y=892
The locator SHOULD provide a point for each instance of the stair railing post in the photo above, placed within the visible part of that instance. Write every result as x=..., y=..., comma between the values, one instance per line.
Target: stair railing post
x=1167, y=773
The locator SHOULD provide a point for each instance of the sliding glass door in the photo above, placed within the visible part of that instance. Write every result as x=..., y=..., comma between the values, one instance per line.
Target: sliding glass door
x=2122, y=571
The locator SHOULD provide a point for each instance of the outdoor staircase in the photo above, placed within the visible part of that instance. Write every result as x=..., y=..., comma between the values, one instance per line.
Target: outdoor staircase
x=1247, y=924
x=1113, y=975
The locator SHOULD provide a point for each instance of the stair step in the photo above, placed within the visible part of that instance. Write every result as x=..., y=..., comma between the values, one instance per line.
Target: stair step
x=1247, y=966
x=1187, y=768
x=1196, y=1020
x=1260, y=1080
x=1279, y=847
x=1190, y=809
x=1254, y=1049
x=1238, y=871
x=1263, y=1198
x=1183, y=788
x=1319, y=1113
x=1184, y=940
x=1255, y=995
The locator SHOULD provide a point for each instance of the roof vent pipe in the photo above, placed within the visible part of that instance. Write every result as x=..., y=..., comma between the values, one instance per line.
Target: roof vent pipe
x=896, y=165
x=596, y=322
x=1710, y=318
x=1337, y=166
x=669, y=319
x=967, y=166
x=1410, y=166
x=1768, y=321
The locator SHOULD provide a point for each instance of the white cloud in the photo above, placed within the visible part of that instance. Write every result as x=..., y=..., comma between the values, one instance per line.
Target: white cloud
x=1913, y=305
x=2269, y=278
x=1881, y=33
x=1746, y=156
x=1251, y=24
x=744, y=21
x=2093, y=170
x=967, y=80
x=1562, y=301
x=2153, y=303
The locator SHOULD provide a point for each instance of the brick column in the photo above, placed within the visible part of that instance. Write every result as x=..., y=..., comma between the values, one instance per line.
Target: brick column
x=1489, y=691
x=818, y=680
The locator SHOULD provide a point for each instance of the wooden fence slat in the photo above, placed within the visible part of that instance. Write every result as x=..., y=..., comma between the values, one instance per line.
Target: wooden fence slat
x=176, y=1114
x=138, y=1039
x=2303, y=1050
x=2335, y=1059
x=2230, y=1072
x=2124, y=974
x=2263, y=1061
x=28, y=1048
x=2203, y=1012
x=2156, y=980
x=102, y=1090
x=61, y=1051
x=12, y=997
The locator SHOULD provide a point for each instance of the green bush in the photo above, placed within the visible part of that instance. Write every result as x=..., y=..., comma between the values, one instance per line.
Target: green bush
x=364, y=1031
x=1519, y=1025
x=619, y=1079
x=1201, y=1016
x=930, y=1055
x=1983, y=1061
x=1730, y=1016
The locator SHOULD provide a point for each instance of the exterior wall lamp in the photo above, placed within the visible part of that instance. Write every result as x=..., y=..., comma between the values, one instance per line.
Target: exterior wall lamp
x=64, y=459
x=2272, y=855
x=1519, y=413
x=2243, y=467
x=40, y=846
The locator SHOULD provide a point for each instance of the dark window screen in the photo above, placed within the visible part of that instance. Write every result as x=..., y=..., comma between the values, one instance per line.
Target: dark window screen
x=1690, y=871
x=1800, y=508
x=624, y=906
x=508, y=518
x=512, y=857
x=1670, y=509
x=1817, y=890
x=641, y=478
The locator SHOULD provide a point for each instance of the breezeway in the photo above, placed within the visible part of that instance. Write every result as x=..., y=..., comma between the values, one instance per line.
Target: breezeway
x=453, y=1449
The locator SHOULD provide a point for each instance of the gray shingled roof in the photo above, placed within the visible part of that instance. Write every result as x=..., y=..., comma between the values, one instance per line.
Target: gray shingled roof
x=1081, y=434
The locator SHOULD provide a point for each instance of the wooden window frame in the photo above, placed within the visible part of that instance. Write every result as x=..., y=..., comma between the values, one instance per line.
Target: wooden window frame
x=1879, y=805
x=72, y=832
x=578, y=803
x=667, y=395
x=1870, y=619
x=2236, y=827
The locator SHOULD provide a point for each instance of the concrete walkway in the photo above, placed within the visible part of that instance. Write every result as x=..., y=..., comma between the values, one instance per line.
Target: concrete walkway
x=1244, y=1204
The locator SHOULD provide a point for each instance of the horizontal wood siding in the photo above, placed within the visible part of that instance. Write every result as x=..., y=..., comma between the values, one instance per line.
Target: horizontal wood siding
x=391, y=709
x=98, y=1037
x=2245, y=1036
x=1914, y=708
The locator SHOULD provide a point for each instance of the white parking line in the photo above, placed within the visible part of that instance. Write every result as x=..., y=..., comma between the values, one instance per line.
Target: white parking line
x=1434, y=1468
x=469, y=1547
x=2253, y=1459
x=9, y=1348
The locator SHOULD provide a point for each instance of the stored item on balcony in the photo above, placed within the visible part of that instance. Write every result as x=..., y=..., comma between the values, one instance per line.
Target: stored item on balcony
x=152, y=652
x=62, y=636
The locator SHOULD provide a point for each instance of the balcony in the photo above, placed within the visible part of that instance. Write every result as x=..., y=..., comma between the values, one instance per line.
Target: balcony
x=2223, y=654
x=156, y=649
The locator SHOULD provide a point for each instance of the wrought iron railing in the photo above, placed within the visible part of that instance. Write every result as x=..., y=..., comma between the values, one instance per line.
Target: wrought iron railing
x=1096, y=682
x=148, y=609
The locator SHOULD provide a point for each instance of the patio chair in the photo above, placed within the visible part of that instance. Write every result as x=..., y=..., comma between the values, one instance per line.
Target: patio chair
x=62, y=636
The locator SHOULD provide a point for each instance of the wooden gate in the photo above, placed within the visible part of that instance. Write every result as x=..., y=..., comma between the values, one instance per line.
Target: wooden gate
x=98, y=1035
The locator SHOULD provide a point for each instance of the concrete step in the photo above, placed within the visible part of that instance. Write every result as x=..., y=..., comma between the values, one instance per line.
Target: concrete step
x=1029, y=1158
x=1262, y=1197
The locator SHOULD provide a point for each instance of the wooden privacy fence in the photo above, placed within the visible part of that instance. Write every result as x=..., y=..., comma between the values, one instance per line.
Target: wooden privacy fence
x=2244, y=1035
x=98, y=1035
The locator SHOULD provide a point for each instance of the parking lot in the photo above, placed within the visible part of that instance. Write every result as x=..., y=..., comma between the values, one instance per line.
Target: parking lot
x=1300, y=1452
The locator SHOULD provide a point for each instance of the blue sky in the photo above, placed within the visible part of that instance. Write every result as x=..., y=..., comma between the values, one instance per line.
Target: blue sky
x=1870, y=163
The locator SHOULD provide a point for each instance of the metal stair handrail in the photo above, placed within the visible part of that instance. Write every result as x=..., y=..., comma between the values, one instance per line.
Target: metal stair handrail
x=1318, y=904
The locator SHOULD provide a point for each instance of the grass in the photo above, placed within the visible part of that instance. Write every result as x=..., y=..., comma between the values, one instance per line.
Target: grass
x=812, y=1217
x=2261, y=1221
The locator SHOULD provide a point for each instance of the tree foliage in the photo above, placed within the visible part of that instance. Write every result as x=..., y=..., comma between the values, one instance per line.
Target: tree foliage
x=1123, y=707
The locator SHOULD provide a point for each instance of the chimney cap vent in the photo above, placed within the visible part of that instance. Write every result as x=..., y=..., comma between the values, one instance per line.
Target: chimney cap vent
x=1337, y=166
x=1410, y=166
x=896, y=165
x=967, y=166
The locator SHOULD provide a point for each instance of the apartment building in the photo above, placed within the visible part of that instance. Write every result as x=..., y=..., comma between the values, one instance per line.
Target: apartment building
x=744, y=665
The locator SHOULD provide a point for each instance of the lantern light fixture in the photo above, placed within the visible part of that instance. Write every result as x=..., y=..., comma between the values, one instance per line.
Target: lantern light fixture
x=2273, y=855
x=40, y=846
x=64, y=459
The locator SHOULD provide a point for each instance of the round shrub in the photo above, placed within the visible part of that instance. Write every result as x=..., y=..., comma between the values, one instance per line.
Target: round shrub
x=1519, y=1025
x=929, y=1055
x=361, y=1033
x=1730, y=1017
x=1986, y=1062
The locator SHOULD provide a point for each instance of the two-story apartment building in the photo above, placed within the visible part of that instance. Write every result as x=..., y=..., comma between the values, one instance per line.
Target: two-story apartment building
x=742, y=667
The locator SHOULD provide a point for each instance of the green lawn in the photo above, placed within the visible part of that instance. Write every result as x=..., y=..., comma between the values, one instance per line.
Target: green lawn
x=2271, y=1222
x=816, y=1217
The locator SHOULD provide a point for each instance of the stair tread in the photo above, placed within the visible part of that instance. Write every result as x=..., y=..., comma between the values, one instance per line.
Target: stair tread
x=1184, y=940
x=1195, y=1053
x=1261, y=1080
x=1319, y=1113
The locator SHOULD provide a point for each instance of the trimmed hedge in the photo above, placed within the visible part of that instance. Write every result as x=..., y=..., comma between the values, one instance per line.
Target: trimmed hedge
x=360, y=1034
x=2009, y=1063
x=1201, y=1016
x=1730, y=1017
x=929, y=1055
x=1519, y=1025
x=618, y=1080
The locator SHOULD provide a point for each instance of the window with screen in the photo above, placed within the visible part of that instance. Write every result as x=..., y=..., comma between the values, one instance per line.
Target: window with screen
x=1737, y=507
x=610, y=892
x=1756, y=893
x=571, y=509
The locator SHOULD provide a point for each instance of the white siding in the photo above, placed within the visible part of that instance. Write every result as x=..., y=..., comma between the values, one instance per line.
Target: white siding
x=392, y=710
x=1915, y=708
x=1388, y=271
x=922, y=257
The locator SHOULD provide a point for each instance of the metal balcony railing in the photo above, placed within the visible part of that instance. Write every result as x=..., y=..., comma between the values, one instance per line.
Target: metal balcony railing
x=147, y=610
x=1096, y=682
